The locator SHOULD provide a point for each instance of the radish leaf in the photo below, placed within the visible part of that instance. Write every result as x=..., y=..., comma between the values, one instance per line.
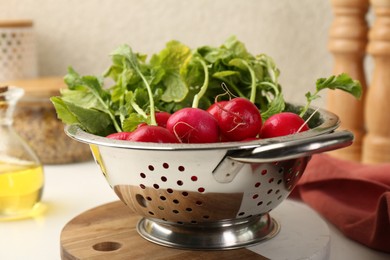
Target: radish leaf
x=342, y=82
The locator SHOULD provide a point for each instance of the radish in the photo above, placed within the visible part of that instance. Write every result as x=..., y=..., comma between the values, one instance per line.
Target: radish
x=215, y=108
x=119, y=135
x=153, y=134
x=284, y=123
x=239, y=119
x=162, y=118
x=193, y=125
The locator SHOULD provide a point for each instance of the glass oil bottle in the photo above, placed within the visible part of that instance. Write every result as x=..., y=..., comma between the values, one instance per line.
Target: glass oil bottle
x=21, y=173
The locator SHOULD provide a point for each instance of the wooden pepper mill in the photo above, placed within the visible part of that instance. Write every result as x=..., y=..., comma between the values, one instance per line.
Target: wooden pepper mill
x=347, y=43
x=376, y=144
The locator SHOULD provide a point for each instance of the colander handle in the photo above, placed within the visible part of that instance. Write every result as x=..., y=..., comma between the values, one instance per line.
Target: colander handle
x=279, y=151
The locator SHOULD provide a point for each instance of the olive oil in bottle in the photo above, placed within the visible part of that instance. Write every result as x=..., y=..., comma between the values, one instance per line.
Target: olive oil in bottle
x=21, y=188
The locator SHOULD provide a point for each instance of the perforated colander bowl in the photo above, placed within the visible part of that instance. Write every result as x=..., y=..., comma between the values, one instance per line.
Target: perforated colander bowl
x=210, y=196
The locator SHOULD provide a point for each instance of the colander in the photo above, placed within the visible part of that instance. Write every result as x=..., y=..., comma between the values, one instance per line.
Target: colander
x=210, y=196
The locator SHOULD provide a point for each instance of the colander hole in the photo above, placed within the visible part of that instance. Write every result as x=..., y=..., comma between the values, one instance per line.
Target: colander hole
x=162, y=198
x=277, y=191
x=143, y=175
x=151, y=168
x=199, y=203
x=160, y=207
x=151, y=213
x=175, y=201
x=165, y=165
x=184, y=193
x=163, y=178
x=141, y=200
x=269, y=203
x=249, y=216
x=181, y=168
x=269, y=191
x=280, y=196
x=257, y=184
x=259, y=203
x=142, y=186
x=241, y=213
x=279, y=181
x=169, y=190
x=271, y=180
x=156, y=186
x=255, y=196
x=206, y=216
x=180, y=183
x=201, y=189
x=290, y=170
x=180, y=222
x=297, y=173
x=281, y=170
x=164, y=219
x=149, y=198
x=194, y=222
x=194, y=178
x=264, y=172
x=189, y=209
x=175, y=211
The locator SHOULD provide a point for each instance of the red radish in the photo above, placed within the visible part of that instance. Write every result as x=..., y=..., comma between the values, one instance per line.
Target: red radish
x=239, y=119
x=153, y=134
x=119, y=135
x=215, y=108
x=281, y=124
x=141, y=125
x=162, y=118
x=193, y=125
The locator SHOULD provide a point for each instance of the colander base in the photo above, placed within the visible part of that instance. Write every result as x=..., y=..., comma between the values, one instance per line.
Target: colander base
x=213, y=236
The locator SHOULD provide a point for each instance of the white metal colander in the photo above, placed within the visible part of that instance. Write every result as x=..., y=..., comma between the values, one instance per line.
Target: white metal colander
x=210, y=196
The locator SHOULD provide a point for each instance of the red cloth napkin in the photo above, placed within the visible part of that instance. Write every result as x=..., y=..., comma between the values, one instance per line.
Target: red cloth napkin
x=354, y=197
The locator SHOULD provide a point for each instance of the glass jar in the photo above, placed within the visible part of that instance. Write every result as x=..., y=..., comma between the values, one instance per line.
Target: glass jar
x=21, y=173
x=36, y=121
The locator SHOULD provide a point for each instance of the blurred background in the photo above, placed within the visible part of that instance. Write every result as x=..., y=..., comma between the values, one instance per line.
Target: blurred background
x=83, y=33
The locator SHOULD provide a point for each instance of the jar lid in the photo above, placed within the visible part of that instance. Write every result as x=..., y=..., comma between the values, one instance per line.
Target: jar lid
x=39, y=87
x=15, y=23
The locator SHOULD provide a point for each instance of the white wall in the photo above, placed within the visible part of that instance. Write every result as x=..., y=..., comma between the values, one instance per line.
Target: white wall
x=82, y=33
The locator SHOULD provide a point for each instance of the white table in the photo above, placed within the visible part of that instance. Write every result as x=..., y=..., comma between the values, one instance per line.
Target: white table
x=74, y=188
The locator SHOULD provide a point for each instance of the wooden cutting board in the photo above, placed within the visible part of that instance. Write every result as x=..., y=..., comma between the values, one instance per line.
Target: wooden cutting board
x=108, y=232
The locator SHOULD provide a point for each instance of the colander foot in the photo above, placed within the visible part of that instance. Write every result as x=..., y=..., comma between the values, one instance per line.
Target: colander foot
x=221, y=235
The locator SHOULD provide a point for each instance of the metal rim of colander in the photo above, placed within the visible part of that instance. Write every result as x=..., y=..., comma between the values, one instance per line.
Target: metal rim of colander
x=328, y=123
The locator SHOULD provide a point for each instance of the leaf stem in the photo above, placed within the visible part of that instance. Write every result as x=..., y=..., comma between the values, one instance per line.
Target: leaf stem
x=198, y=96
x=133, y=60
x=252, y=97
x=151, y=100
x=306, y=107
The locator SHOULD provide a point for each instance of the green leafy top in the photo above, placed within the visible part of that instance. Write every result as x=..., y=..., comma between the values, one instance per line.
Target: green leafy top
x=342, y=82
x=174, y=78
